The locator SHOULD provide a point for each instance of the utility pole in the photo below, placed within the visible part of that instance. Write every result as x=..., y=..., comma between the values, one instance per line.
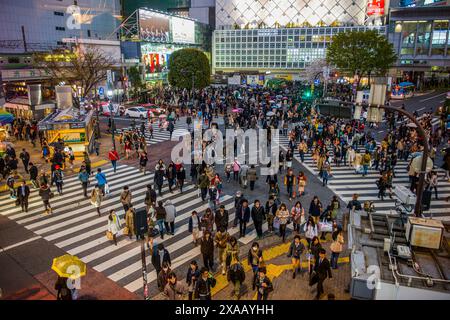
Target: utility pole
x=144, y=271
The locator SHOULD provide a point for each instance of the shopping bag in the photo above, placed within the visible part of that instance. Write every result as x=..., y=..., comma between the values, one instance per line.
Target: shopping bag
x=109, y=235
x=125, y=231
x=107, y=190
x=325, y=226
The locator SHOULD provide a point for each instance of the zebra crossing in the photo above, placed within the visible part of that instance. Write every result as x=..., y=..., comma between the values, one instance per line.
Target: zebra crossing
x=345, y=182
x=160, y=134
x=75, y=226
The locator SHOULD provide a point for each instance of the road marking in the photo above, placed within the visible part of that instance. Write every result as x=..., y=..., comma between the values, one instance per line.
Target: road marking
x=20, y=243
x=433, y=97
x=420, y=109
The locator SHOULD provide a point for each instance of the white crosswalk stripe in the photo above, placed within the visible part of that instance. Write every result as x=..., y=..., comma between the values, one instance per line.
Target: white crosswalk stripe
x=75, y=226
x=345, y=182
x=160, y=134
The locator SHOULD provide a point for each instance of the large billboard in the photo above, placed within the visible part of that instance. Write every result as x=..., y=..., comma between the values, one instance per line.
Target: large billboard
x=375, y=8
x=183, y=30
x=154, y=27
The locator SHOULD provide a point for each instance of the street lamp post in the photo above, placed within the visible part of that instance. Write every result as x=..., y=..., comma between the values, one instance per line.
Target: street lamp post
x=422, y=134
x=111, y=117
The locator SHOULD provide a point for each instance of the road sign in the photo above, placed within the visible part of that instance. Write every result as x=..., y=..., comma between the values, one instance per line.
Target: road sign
x=101, y=91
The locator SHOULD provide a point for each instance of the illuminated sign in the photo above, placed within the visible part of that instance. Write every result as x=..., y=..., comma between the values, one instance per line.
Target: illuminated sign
x=153, y=26
x=183, y=30
x=375, y=8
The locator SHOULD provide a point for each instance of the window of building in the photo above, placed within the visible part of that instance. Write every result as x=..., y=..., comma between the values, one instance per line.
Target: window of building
x=423, y=38
x=58, y=13
x=439, y=38
x=89, y=33
x=60, y=28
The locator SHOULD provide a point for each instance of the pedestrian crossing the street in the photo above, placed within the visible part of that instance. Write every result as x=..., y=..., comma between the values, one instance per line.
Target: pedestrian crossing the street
x=345, y=182
x=75, y=226
x=161, y=134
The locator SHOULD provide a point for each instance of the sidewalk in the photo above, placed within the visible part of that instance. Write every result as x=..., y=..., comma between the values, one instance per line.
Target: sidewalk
x=26, y=261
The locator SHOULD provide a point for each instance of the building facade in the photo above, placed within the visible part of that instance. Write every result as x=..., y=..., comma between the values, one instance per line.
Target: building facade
x=157, y=35
x=275, y=50
x=285, y=36
x=421, y=39
x=40, y=25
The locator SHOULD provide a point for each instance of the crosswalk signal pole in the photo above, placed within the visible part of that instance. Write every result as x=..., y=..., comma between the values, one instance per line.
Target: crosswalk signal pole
x=144, y=271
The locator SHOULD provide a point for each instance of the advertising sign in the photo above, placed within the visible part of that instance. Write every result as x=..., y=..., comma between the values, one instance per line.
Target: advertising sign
x=183, y=30
x=153, y=26
x=254, y=80
x=234, y=80
x=375, y=8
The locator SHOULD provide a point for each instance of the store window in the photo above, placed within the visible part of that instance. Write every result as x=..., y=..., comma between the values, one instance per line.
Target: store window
x=423, y=38
x=440, y=31
x=408, y=36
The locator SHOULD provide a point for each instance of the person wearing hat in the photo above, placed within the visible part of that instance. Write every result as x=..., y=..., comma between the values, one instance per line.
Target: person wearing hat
x=57, y=178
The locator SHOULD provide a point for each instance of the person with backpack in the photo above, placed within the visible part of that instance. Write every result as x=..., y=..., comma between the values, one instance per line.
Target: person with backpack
x=271, y=211
x=101, y=180
x=125, y=198
x=10, y=181
x=46, y=195
x=236, y=275
x=236, y=169
x=57, y=178
x=150, y=197
x=296, y=250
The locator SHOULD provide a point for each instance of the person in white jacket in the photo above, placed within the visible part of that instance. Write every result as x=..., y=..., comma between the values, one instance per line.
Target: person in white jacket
x=311, y=230
x=170, y=217
x=114, y=225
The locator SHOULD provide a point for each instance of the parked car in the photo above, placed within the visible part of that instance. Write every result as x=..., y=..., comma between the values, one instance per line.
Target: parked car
x=137, y=112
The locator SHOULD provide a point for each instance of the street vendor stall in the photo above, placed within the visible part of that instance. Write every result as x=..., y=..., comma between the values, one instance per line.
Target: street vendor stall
x=75, y=129
x=6, y=119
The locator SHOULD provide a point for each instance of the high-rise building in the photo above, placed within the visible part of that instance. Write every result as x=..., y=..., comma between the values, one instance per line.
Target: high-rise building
x=40, y=25
x=285, y=36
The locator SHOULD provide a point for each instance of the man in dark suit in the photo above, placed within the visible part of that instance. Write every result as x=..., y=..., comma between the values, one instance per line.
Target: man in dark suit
x=159, y=256
x=23, y=192
x=321, y=270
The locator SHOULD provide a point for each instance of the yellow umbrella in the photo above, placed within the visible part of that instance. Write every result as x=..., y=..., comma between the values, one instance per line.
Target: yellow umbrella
x=68, y=266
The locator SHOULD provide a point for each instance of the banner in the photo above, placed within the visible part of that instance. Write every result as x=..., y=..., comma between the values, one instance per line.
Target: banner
x=375, y=8
x=183, y=30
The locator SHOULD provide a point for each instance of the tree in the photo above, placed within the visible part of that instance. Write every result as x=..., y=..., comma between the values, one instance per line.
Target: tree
x=189, y=65
x=80, y=68
x=361, y=53
x=136, y=80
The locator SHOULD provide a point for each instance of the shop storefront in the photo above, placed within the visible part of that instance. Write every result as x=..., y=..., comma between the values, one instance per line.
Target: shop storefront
x=6, y=119
x=75, y=129
x=21, y=109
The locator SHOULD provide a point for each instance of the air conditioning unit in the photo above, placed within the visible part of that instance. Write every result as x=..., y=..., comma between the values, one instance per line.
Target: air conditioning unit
x=426, y=233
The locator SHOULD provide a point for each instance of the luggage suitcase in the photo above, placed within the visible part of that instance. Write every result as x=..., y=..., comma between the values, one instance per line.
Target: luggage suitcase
x=426, y=200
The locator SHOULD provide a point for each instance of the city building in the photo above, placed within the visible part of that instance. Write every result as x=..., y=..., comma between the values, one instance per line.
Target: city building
x=421, y=39
x=201, y=10
x=29, y=26
x=149, y=37
x=284, y=37
x=40, y=25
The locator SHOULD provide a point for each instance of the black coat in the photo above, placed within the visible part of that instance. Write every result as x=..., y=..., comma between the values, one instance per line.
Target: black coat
x=156, y=259
x=236, y=273
x=33, y=172
x=323, y=270
x=19, y=193
x=243, y=214
x=221, y=220
x=207, y=246
x=258, y=214
x=159, y=177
